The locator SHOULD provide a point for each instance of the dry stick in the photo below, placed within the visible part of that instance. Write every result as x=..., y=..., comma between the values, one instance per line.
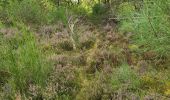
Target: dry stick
x=71, y=27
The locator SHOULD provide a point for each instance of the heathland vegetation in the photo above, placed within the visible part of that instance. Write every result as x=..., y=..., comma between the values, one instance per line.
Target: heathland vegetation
x=84, y=49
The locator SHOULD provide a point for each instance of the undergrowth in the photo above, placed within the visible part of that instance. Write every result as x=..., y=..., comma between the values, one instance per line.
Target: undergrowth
x=23, y=61
x=149, y=26
x=66, y=51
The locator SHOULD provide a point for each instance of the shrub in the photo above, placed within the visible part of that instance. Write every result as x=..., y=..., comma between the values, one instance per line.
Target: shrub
x=29, y=11
x=150, y=26
x=86, y=41
x=65, y=83
x=99, y=12
x=36, y=12
x=53, y=13
x=99, y=9
x=57, y=14
x=126, y=9
x=65, y=45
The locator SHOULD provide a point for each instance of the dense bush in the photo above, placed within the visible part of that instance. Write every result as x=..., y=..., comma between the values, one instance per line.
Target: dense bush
x=28, y=11
x=57, y=14
x=33, y=12
x=150, y=26
x=99, y=9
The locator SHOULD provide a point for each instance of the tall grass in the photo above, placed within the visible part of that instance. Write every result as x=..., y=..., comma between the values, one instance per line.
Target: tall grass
x=23, y=60
x=125, y=76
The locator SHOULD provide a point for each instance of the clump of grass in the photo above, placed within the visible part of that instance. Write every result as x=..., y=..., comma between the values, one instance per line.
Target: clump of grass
x=24, y=60
x=125, y=76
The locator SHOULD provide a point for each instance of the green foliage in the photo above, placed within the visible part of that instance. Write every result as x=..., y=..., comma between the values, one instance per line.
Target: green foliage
x=54, y=13
x=3, y=14
x=1, y=25
x=79, y=10
x=99, y=9
x=150, y=26
x=28, y=11
x=57, y=14
x=3, y=3
x=124, y=76
x=35, y=12
x=23, y=59
x=126, y=9
x=89, y=64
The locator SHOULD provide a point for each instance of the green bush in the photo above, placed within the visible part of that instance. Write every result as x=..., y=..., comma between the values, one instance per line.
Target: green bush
x=23, y=60
x=57, y=14
x=150, y=26
x=29, y=11
x=99, y=9
x=99, y=12
x=35, y=12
